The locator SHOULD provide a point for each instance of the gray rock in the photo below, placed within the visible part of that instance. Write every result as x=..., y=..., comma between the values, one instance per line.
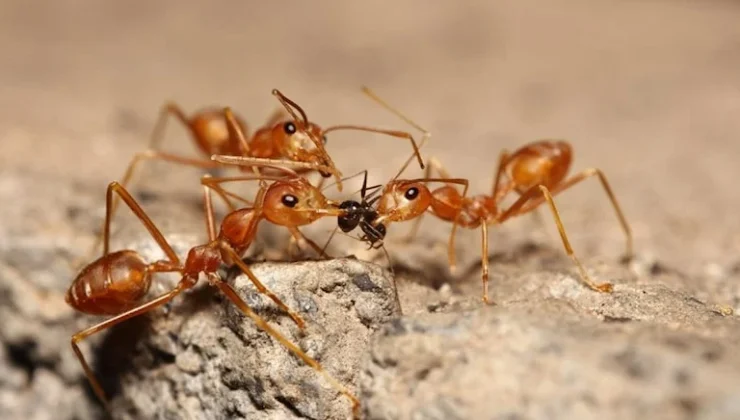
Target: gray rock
x=559, y=351
x=206, y=360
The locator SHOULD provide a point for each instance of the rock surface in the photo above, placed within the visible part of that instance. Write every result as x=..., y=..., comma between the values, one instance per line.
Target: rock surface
x=555, y=350
x=200, y=361
x=654, y=106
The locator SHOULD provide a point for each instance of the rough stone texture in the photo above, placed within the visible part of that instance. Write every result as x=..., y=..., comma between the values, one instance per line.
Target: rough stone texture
x=647, y=91
x=555, y=350
x=199, y=362
x=197, y=359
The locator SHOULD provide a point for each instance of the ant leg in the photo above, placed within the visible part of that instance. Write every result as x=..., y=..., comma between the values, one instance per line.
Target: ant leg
x=298, y=236
x=326, y=245
x=278, y=164
x=484, y=261
x=231, y=294
x=607, y=188
x=139, y=157
x=146, y=307
x=120, y=190
x=261, y=287
x=518, y=208
x=235, y=131
x=208, y=204
x=168, y=109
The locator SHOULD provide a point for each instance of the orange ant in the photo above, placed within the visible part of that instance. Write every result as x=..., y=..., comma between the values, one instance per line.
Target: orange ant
x=536, y=172
x=222, y=132
x=116, y=283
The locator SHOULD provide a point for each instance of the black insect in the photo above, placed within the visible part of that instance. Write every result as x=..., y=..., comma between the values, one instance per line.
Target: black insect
x=362, y=214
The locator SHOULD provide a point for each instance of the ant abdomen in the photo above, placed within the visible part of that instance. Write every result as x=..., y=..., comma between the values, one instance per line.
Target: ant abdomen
x=110, y=285
x=212, y=135
x=544, y=162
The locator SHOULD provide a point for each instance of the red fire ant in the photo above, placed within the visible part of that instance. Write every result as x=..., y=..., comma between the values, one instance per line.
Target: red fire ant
x=535, y=172
x=214, y=131
x=116, y=283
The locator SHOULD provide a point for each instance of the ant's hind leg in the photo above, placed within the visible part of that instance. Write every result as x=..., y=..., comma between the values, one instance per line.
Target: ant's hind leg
x=78, y=337
x=234, y=297
x=262, y=288
x=484, y=262
x=604, y=287
x=519, y=207
x=581, y=176
x=138, y=158
x=167, y=110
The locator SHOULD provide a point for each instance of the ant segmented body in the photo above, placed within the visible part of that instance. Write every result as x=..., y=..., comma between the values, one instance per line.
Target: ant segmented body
x=363, y=214
x=116, y=283
x=297, y=142
x=536, y=172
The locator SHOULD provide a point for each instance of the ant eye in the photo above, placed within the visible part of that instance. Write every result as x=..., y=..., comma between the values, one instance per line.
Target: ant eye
x=411, y=193
x=289, y=128
x=289, y=200
x=324, y=139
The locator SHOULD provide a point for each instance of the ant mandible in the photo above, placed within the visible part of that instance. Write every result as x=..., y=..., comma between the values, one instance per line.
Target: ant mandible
x=536, y=172
x=116, y=283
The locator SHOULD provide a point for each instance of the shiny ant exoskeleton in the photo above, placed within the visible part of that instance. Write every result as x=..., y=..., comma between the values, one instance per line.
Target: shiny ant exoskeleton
x=116, y=283
x=297, y=142
x=535, y=172
x=363, y=214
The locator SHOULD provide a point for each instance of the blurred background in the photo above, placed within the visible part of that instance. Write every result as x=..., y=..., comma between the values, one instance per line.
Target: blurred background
x=647, y=91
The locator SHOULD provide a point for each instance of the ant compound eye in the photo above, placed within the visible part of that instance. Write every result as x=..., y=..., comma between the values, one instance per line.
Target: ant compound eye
x=289, y=200
x=325, y=174
x=411, y=193
x=324, y=139
x=289, y=128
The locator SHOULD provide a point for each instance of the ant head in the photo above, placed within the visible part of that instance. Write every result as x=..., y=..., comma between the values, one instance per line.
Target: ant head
x=302, y=142
x=351, y=219
x=293, y=202
x=404, y=200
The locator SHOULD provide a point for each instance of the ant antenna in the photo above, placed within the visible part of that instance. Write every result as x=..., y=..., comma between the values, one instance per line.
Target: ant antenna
x=326, y=245
x=374, y=188
x=372, y=95
x=347, y=178
x=290, y=106
x=410, y=158
x=367, y=91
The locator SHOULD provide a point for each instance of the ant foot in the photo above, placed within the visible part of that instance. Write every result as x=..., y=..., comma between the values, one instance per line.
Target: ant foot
x=298, y=320
x=626, y=258
x=604, y=287
x=453, y=269
x=488, y=302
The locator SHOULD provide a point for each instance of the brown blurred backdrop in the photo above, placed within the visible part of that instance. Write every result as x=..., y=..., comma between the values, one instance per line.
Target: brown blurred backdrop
x=648, y=91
